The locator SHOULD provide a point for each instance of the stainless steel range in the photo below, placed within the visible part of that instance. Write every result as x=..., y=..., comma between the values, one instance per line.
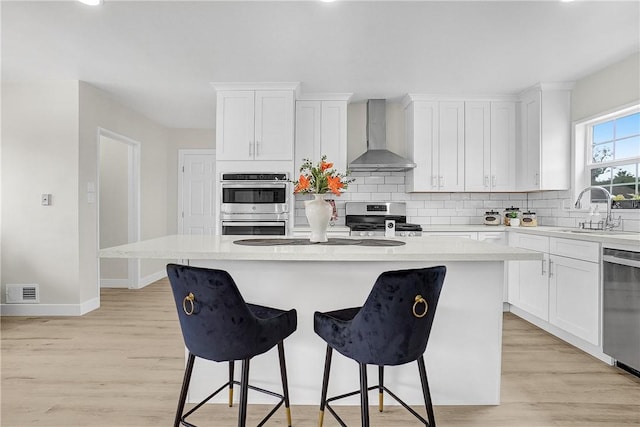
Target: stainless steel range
x=379, y=219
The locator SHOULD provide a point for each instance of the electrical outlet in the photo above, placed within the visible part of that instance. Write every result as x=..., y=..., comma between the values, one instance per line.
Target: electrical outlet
x=45, y=200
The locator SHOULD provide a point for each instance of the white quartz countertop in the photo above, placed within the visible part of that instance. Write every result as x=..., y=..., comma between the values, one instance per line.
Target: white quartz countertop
x=604, y=237
x=441, y=249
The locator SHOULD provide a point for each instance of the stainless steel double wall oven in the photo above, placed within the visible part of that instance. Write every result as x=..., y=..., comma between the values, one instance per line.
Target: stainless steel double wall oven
x=255, y=203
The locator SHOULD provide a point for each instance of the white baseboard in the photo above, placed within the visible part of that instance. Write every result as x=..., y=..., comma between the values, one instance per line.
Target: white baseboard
x=49, y=309
x=153, y=277
x=114, y=283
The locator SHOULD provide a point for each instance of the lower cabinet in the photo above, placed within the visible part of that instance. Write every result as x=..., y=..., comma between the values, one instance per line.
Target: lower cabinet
x=561, y=290
x=574, y=297
x=529, y=280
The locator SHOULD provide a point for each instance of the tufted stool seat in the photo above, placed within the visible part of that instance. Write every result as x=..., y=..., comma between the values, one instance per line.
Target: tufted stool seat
x=218, y=325
x=391, y=328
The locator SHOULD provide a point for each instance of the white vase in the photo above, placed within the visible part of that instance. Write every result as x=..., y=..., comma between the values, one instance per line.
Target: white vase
x=318, y=213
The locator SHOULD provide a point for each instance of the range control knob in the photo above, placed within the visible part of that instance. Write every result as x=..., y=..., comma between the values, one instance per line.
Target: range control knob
x=411, y=234
x=370, y=233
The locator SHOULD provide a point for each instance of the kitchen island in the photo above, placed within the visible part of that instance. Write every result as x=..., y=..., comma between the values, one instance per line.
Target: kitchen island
x=463, y=357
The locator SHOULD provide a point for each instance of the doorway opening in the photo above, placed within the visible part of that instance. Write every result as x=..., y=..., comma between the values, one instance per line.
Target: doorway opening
x=118, y=206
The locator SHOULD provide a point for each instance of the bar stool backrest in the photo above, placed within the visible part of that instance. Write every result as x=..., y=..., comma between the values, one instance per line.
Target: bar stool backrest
x=221, y=327
x=388, y=327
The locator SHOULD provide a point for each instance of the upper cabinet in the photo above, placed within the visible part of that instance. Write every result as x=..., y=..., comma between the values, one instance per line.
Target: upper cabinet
x=435, y=142
x=544, y=149
x=255, y=124
x=490, y=141
x=321, y=129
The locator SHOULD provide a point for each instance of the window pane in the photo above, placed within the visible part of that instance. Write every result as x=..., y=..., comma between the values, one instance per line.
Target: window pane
x=628, y=126
x=628, y=147
x=603, y=152
x=625, y=174
x=600, y=176
x=627, y=190
x=603, y=132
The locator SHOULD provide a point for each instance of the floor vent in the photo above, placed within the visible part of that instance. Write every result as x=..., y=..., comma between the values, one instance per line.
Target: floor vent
x=22, y=294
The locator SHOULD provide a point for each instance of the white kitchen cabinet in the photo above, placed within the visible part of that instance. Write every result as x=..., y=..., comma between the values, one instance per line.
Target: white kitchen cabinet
x=321, y=129
x=254, y=125
x=563, y=289
x=544, y=150
x=490, y=140
x=435, y=142
x=528, y=280
x=574, y=288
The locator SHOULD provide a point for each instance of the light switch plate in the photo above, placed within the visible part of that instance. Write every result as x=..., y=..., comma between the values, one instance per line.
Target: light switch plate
x=45, y=200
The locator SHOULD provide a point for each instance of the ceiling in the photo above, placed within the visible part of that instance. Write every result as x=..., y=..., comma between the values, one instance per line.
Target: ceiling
x=160, y=58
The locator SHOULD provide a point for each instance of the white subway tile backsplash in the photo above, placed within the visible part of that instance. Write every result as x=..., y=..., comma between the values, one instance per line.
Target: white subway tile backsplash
x=553, y=208
x=375, y=179
x=390, y=188
x=366, y=188
x=516, y=196
x=441, y=220
x=434, y=204
x=394, y=179
x=428, y=212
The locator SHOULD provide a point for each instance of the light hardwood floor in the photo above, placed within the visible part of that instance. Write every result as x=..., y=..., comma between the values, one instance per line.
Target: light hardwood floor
x=122, y=365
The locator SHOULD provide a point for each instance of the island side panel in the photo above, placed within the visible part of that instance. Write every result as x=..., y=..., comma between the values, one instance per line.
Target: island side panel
x=463, y=356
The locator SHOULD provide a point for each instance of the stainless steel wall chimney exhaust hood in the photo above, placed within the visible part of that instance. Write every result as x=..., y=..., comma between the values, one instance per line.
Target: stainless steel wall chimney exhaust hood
x=377, y=157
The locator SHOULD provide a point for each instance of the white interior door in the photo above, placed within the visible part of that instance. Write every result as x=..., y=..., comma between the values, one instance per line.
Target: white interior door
x=197, y=192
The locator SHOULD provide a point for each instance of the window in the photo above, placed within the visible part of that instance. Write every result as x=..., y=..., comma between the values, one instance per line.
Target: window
x=613, y=155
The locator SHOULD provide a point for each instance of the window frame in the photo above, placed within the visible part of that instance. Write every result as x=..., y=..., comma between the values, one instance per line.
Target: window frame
x=583, y=146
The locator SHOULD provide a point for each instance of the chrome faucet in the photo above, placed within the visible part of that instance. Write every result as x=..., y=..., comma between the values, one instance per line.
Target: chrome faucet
x=609, y=222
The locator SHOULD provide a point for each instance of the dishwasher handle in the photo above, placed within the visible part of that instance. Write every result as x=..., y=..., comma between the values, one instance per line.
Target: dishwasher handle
x=622, y=261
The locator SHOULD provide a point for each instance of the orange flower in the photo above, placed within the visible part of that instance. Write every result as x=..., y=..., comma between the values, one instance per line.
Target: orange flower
x=325, y=165
x=303, y=184
x=334, y=184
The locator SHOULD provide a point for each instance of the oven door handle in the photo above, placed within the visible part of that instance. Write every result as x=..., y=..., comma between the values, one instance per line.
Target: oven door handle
x=252, y=224
x=250, y=185
x=621, y=261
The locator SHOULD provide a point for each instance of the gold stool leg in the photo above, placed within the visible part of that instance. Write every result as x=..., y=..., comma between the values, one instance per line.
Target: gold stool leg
x=321, y=419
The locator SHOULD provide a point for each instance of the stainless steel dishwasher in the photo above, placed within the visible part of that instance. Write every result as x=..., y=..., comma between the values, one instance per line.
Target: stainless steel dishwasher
x=621, y=302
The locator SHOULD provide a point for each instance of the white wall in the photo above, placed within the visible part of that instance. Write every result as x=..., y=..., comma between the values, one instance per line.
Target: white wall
x=612, y=87
x=97, y=109
x=50, y=142
x=40, y=155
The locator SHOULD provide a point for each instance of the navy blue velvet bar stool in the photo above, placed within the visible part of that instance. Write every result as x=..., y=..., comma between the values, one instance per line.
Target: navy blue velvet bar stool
x=218, y=325
x=391, y=328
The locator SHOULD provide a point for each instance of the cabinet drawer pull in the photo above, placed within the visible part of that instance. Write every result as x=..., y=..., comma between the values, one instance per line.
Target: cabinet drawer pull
x=542, y=264
x=550, y=268
x=486, y=180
